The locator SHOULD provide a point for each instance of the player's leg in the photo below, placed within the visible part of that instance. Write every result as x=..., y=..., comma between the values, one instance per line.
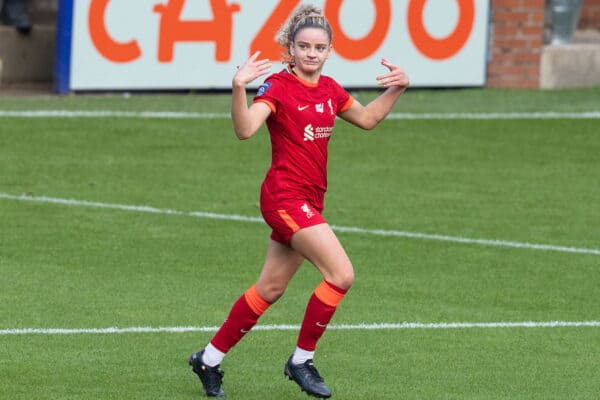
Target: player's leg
x=281, y=263
x=318, y=244
x=321, y=247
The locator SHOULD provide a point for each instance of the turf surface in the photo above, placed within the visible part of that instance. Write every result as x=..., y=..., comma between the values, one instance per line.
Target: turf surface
x=80, y=265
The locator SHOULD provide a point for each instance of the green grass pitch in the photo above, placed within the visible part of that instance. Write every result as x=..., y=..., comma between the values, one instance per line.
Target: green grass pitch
x=493, y=188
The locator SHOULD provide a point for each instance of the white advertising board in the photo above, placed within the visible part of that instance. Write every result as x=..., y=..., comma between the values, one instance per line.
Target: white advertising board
x=197, y=44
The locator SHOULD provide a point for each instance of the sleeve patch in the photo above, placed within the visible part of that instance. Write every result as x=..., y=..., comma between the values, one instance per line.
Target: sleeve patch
x=263, y=88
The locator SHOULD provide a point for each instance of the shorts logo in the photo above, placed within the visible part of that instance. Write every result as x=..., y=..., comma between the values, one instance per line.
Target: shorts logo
x=307, y=211
x=263, y=88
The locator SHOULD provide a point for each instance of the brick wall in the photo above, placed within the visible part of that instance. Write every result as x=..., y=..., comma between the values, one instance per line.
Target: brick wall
x=515, y=43
x=590, y=15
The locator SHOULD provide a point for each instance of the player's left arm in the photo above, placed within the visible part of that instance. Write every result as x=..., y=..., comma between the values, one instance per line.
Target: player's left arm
x=368, y=117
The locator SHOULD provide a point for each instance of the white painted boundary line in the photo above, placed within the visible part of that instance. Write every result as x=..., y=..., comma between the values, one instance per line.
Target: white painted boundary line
x=458, y=239
x=124, y=207
x=345, y=229
x=196, y=115
x=110, y=114
x=354, y=327
x=508, y=115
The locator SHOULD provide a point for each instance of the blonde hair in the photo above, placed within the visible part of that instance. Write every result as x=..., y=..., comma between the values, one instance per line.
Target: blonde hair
x=306, y=16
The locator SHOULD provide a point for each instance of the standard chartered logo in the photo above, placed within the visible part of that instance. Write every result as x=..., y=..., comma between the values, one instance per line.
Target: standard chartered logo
x=309, y=133
x=320, y=132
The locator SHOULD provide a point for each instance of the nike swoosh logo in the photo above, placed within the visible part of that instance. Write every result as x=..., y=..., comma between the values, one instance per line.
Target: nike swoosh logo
x=320, y=325
x=244, y=331
x=302, y=108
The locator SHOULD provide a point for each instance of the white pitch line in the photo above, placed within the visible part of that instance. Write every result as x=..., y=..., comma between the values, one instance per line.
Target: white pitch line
x=124, y=207
x=458, y=239
x=346, y=327
x=345, y=229
x=508, y=115
x=207, y=115
x=110, y=114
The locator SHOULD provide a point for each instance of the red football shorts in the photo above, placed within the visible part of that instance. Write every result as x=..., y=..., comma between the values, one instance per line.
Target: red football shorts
x=290, y=217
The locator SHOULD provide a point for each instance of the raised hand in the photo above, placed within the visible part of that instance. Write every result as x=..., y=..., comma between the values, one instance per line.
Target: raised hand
x=251, y=70
x=396, y=76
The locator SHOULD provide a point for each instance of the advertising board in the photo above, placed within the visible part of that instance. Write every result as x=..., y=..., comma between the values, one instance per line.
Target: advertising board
x=197, y=44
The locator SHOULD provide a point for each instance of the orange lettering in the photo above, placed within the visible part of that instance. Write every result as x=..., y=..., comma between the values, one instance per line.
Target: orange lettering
x=358, y=49
x=440, y=49
x=104, y=43
x=173, y=29
x=265, y=39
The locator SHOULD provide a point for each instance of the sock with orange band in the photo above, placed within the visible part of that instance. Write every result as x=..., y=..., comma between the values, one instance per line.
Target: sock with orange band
x=243, y=316
x=319, y=311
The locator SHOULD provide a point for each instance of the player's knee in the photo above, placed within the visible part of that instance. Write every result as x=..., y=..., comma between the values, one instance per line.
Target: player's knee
x=348, y=280
x=344, y=279
x=271, y=293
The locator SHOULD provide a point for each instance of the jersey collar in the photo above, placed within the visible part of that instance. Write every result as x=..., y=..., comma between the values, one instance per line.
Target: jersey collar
x=302, y=81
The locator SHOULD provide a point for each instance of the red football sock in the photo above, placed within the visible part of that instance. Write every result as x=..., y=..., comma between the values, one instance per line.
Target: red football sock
x=319, y=311
x=242, y=317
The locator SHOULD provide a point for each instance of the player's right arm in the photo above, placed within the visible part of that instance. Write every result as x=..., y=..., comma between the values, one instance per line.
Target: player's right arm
x=247, y=120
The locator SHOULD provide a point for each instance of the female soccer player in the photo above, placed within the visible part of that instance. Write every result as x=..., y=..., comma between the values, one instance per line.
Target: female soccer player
x=299, y=106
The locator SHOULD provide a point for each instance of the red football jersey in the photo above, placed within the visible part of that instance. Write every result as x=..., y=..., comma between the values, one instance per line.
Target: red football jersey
x=300, y=125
